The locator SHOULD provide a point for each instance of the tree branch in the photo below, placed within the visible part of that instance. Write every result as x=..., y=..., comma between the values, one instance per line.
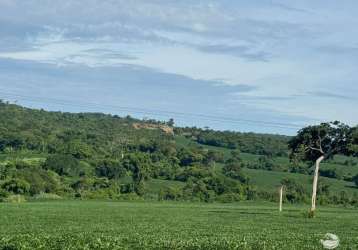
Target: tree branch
x=320, y=143
x=315, y=149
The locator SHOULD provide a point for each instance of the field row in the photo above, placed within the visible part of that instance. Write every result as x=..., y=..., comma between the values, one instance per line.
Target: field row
x=126, y=225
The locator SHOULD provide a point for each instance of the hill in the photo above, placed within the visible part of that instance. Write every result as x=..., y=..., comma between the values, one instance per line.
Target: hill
x=99, y=156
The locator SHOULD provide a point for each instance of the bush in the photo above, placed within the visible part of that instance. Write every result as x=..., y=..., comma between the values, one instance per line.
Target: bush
x=170, y=193
x=82, y=184
x=229, y=197
x=104, y=193
x=294, y=192
x=40, y=180
x=310, y=214
x=15, y=198
x=3, y=195
x=129, y=197
x=140, y=188
x=127, y=188
x=193, y=172
x=110, y=169
x=198, y=191
x=63, y=165
x=330, y=173
x=355, y=180
x=16, y=186
x=233, y=170
x=47, y=196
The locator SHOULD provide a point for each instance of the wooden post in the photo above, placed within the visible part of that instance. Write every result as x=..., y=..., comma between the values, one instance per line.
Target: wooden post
x=281, y=195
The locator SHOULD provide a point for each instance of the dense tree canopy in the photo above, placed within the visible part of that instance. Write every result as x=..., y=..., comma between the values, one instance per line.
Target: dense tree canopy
x=320, y=142
x=261, y=144
x=91, y=155
x=326, y=139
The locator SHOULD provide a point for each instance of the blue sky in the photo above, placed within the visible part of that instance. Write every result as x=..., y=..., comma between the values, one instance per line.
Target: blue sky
x=222, y=64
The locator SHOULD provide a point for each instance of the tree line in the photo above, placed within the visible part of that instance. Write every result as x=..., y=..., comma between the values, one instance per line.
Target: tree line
x=96, y=156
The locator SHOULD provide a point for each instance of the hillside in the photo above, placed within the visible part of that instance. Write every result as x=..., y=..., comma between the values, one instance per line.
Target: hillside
x=96, y=156
x=270, y=180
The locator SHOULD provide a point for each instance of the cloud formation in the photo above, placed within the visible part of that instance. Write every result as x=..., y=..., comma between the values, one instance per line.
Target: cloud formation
x=276, y=60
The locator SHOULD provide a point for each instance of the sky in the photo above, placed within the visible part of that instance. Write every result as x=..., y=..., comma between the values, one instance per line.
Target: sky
x=268, y=66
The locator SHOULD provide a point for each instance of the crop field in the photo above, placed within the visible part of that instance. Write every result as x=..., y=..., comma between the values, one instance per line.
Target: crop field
x=139, y=225
x=270, y=180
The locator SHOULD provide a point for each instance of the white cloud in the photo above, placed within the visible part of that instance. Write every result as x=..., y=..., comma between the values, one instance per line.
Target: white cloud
x=284, y=51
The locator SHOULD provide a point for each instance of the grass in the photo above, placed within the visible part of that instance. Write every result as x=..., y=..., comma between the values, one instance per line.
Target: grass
x=336, y=163
x=270, y=180
x=155, y=185
x=139, y=225
x=30, y=158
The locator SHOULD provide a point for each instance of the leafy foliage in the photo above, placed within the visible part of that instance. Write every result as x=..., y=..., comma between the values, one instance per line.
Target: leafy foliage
x=294, y=192
x=326, y=139
x=91, y=155
x=63, y=165
x=261, y=144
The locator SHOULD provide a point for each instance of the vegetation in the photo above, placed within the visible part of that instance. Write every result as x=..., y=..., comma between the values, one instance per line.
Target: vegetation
x=138, y=225
x=52, y=158
x=260, y=144
x=97, y=156
x=317, y=143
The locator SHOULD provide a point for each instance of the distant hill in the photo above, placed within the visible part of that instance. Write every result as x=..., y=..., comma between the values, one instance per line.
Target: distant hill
x=98, y=156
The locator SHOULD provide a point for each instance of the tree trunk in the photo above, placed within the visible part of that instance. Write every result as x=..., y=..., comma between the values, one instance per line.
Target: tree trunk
x=315, y=182
x=281, y=195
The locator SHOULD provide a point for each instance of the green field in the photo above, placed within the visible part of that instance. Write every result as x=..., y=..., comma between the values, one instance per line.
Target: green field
x=136, y=225
x=270, y=180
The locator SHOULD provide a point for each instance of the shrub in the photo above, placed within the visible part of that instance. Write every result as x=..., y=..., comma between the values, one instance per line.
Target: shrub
x=40, y=180
x=294, y=192
x=3, y=195
x=63, y=165
x=331, y=173
x=47, y=196
x=129, y=197
x=127, y=188
x=233, y=170
x=82, y=184
x=16, y=186
x=15, y=198
x=140, y=188
x=229, y=197
x=170, y=193
x=110, y=169
x=355, y=180
x=104, y=193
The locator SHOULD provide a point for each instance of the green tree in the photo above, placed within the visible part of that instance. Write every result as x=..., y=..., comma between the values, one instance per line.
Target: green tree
x=171, y=122
x=233, y=170
x=16, y=186
x=78, y=149
x=294, y=192
x=355, y=180
x=110, y=169
x=320, y=142
x=266, y=163
x=63, y=165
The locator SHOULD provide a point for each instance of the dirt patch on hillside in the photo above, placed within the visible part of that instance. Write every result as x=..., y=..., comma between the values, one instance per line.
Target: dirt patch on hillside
x=166, y=129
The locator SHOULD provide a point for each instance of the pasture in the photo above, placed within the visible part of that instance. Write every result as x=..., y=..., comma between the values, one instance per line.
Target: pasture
x=156, y=225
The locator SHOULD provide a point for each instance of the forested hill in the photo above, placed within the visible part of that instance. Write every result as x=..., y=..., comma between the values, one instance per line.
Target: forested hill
x=99, y=135
x=90, y=135
x=96, y=156
x=261, y=144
